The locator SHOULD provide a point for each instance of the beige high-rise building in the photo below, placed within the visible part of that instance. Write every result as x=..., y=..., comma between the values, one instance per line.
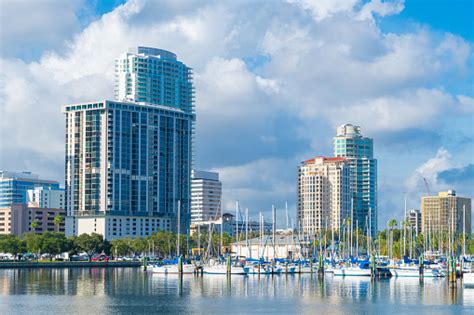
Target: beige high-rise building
x=446, y=212
x=324, y=198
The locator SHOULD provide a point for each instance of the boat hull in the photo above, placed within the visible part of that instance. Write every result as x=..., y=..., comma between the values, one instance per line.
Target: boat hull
x=222, y=270
x=468, y=280
x=415, y=273
x=354, y=272
x=173, y=269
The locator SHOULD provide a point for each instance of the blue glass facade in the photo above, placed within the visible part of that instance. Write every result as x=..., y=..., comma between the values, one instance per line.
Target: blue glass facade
x=13, y=189
x=349, y=143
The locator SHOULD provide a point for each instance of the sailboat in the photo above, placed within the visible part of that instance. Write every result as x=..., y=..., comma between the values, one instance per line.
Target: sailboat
x=217, y=267
x=174, y=268
x=362, y=270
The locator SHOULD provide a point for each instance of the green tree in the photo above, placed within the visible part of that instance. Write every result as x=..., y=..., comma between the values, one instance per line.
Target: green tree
x=90, y=244
x=54, y=243
x=121, y=247
x=72, y=246
x=12, y=244
x=139, y=245
x=34, y=225
x=33, y=242
x=391, y=224
x=57, y=222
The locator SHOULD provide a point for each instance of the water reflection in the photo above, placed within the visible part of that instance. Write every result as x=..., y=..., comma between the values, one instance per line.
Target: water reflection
x=125, y=290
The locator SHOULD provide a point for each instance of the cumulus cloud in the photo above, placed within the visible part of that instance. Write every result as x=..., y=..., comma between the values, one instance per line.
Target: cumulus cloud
x=429, y=170
x=380, y=8
x=322, y=9
x=273, y=80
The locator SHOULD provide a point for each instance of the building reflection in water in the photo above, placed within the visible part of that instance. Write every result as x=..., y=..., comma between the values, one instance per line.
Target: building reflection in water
x=123, y=290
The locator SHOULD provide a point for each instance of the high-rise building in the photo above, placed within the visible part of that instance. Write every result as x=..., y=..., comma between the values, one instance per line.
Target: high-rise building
x=46, y=198
x=359, y=151
x=14, y=186
x=446, y=212
x=414, y=219
x=154, y=76
x=128, y=163
x=324, y=197
x=206, y=195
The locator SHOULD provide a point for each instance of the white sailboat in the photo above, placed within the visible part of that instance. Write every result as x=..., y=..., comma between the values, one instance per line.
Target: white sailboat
x=352, y=271
x=221, y=269
x=414, y=271
x=362, y=270
x=173, y=269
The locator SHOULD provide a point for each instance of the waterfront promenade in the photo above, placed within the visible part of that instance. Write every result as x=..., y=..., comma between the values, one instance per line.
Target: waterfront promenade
x=69, y=264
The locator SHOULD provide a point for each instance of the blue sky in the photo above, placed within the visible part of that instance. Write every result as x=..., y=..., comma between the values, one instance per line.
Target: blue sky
x=273, y=81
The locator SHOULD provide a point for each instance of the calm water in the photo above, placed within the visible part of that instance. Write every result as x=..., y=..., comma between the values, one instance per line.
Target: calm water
x=129, y=290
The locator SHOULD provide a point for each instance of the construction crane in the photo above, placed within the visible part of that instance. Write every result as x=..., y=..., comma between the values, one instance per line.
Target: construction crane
x=427, y=187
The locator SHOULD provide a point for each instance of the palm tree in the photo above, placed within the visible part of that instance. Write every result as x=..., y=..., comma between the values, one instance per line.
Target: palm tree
x=391, y=224
x=34, y=225
x=57, y=222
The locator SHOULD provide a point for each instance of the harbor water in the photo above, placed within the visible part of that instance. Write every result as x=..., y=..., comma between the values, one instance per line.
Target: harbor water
x=130, y=290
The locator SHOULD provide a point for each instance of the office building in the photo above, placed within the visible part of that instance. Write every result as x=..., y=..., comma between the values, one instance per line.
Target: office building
x=18, y=219
x=14, y=186
x=349, y=143
x=446, y=212
x=414, y=219
x=128, y=163
x=324, y=195
x=42, y=197
x=206, y=195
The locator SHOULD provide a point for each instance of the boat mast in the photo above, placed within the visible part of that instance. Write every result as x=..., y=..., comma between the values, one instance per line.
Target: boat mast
x=287, y=227
x=464, y=231
x=247, y=232
x=222, y=229
x=237, y=227
x=357, y=238
x=179, y=227
x=351, y=225
x=274, y=226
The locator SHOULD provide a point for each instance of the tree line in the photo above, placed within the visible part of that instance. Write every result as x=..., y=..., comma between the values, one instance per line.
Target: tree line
x=162, y=244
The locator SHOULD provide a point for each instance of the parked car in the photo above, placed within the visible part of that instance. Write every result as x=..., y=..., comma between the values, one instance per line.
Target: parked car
x=100, y=258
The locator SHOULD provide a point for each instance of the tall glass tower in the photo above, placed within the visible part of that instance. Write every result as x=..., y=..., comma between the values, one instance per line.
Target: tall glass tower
x=359, y=151
x=129, y=161
x=154, y=76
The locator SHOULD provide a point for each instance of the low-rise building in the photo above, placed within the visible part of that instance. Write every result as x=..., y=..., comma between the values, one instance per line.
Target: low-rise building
x=19, y=219
x=285, y=246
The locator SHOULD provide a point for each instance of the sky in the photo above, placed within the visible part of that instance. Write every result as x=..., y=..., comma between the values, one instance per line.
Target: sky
x=273, y=81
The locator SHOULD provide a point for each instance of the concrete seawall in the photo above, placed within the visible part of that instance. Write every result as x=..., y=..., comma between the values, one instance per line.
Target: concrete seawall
x=70, y=264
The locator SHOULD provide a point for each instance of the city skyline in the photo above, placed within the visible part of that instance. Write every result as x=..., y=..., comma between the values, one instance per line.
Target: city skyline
x=262, y=106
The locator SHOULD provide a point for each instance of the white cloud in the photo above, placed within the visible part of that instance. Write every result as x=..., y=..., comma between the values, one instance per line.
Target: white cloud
x=381, y=8
x=326, y=63
x=411, y=109
x=322, y=9
x=443, y=160
x=466, y=103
